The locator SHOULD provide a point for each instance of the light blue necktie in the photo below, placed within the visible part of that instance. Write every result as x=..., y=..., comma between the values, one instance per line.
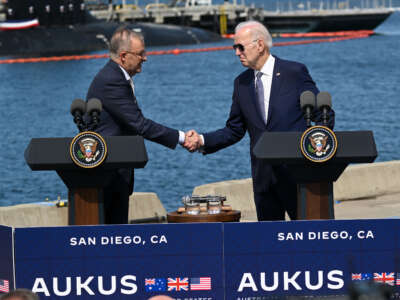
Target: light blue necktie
x=133, y=89
x=260, y=96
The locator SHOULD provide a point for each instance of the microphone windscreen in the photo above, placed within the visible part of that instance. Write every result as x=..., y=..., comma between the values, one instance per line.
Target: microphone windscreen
x=78, y=105
x=307, y=99
x=324, y=100
x=94, y=104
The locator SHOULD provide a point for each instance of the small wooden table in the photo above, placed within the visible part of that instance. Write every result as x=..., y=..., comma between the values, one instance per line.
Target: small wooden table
x=224, y=216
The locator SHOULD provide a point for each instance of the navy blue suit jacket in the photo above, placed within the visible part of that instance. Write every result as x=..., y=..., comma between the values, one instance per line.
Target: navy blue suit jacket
x=121, y=114
x=290, y=79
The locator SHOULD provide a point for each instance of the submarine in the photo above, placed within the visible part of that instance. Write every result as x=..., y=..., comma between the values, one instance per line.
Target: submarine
x=65, y=27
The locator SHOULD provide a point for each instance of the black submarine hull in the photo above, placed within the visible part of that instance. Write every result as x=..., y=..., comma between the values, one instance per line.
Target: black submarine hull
x=94, y=36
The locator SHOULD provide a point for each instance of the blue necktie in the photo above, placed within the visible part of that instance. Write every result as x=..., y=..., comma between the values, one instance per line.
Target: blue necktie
x=260, y=96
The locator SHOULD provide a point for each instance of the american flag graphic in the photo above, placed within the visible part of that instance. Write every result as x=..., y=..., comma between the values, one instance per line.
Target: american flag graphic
x=178, y=284
x=387, y=278
x=398, y=279
x=200, y=284
x=4, y=286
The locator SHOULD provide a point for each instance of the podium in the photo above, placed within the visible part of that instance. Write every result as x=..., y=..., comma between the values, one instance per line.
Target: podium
x=315, y=179
x=85, y=186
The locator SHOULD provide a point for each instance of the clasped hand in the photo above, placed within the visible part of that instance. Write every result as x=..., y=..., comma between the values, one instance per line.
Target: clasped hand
x=193, y=141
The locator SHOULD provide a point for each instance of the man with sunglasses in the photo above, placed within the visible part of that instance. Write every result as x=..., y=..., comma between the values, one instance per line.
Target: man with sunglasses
x=266, y=97
x=121, y=115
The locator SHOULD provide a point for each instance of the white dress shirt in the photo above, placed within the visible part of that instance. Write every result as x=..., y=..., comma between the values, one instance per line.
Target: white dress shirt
x=127, y=77
x=267, y=71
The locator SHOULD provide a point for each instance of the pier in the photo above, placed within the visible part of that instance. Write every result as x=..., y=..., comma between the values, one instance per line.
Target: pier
x=223, y=18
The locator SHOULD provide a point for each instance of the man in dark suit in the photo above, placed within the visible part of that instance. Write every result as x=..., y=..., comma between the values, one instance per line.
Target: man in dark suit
x=121, y=114
x=266, y=97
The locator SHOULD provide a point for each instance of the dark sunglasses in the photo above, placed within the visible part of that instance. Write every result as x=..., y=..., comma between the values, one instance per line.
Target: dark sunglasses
x=240, y=47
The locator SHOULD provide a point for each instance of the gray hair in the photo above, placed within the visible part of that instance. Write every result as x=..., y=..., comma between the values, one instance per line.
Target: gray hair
x=22, y=294
x=258, y=30
x=121, y=40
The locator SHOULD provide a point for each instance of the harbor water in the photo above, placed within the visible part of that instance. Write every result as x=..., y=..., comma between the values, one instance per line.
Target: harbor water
x=193, y=90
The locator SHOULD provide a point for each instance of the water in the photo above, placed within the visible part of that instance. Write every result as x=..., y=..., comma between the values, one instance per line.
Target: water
x=193, y=91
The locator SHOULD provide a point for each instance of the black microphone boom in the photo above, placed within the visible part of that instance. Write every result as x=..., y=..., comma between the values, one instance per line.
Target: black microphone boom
x=78, y=109
x=324, y=103
x=94, y=108
x=307, y=104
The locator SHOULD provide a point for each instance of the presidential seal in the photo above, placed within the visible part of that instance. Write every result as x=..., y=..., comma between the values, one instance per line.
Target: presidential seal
x=318, y=144
x=88, y=149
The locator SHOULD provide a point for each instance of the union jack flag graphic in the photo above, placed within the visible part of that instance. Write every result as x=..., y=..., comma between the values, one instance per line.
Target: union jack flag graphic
x=149, y=281
x=387, y=278
x=361, y=276
x=178, y=284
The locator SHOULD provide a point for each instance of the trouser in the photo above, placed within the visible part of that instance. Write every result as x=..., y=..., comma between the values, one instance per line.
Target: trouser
x=116, y=201
x=280, y=197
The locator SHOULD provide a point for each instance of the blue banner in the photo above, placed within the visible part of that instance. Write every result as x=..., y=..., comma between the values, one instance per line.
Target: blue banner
x=208, y=261
x=299, y=258
x=116, y=262
x=6, y=260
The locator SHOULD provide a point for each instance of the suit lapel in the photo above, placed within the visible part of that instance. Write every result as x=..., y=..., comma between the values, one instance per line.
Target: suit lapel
x=275, y=87
x=117, y=69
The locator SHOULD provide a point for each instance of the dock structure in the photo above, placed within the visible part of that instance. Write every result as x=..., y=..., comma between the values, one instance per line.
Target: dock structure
x=218, y=18
x=223, y=18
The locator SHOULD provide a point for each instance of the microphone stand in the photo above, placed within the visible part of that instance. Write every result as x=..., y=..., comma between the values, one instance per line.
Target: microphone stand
x=79, y=122
x=307, y=115
x=325, y=115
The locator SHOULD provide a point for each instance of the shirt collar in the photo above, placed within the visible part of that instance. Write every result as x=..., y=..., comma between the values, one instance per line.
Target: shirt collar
x=127, y=77
x=268, y=67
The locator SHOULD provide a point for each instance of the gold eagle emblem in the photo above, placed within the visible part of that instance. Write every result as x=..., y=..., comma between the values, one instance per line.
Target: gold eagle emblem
x=319, y=143
x=88, y=148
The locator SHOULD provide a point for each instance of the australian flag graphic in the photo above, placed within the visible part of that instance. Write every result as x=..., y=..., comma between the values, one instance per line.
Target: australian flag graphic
x=155, y=284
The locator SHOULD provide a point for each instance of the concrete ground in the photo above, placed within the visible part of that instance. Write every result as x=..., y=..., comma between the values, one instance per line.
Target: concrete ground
x=145, y=205
x=364, y=191
x=367, y=191
x=380, y=207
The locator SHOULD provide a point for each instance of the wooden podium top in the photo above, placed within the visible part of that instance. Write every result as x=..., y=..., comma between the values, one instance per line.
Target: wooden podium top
x=224, y=216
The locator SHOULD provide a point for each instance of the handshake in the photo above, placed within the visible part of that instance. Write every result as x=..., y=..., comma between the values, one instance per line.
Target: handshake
x=193, y=141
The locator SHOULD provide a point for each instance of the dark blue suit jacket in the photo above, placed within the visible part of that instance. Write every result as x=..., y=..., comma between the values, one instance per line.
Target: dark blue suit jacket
x=290, y=79
x=121, y=114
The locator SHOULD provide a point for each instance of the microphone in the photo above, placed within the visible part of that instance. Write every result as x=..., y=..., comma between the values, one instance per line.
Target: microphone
x=78, y=109
x=94, y=108
x=324, y=103
x=307, y=104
